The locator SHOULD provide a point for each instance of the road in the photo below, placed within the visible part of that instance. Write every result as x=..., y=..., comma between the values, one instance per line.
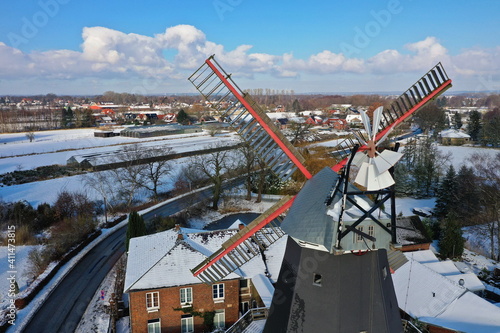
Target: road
x=63, y=309
x=65, y=306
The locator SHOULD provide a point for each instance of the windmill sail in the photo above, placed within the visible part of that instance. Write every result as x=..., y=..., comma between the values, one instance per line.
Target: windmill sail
x=248, y=119
x=428, y=87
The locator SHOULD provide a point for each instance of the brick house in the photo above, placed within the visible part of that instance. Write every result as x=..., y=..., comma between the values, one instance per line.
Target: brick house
x=164, y=296
x=337, y=123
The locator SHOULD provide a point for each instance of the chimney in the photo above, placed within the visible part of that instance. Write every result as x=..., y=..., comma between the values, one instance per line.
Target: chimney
x=241, y=226
x=180, y=237
x=177, y=227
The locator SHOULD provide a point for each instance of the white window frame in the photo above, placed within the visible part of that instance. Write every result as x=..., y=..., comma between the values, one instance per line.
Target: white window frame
x=220, y=319
x=371, y=230
x=357, y=237
x=154, y=326
x=187, y=324
x=155, y=304
x=184, y=299
x=217, y=289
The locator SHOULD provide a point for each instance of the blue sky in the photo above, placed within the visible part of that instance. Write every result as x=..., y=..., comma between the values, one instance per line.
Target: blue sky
x=89, y=47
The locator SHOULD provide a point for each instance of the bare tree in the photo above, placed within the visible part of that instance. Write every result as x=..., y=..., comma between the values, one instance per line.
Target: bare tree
x=153, y=172
x=298, y=131
x=127, y=178
x=102, y=182
x=30, y=135
x=248, y=165
x=142, y=167
x=215, y=167
x=487, y=171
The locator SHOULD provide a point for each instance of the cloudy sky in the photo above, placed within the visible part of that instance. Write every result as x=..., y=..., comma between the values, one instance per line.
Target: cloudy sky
x=151, y=47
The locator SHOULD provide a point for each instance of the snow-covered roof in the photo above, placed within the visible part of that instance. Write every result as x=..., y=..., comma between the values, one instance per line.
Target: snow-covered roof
x=447, y=268
x=436, y=299
x=469, y=313
x=162, y=260
x=409, y=231
x=144, y=252
x=422, y=292
x=453, y=133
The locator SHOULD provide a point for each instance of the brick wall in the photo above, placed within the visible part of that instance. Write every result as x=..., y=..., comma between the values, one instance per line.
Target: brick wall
x=170, y=299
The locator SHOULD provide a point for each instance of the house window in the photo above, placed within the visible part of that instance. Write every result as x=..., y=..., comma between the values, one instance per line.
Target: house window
x=153, y=301
x=220, y=319
x=371, y=230
x=218, y=291
x=186, y=296
x=154, y=326
x=357, y=237
x=317, y=279
x=187, y=325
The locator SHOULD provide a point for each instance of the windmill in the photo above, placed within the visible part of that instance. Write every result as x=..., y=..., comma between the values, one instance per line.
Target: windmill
x=322, y=216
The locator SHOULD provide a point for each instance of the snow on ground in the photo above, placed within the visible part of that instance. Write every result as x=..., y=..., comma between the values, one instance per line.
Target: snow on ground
x=47, y=190
x=406, y=205
x=19, y=154
x=460, y=154
x=21, y=255
x=14, y=144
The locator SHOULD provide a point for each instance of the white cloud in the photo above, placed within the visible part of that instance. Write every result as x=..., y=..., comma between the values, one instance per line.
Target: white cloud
x=107, y=53
x=424, y=55
x=478, y=61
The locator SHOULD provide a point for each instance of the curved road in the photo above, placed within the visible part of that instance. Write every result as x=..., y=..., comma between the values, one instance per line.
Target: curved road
x=64, y=307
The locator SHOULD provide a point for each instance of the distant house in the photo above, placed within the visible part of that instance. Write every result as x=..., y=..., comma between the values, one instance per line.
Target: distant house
x=453, y=137
x=337, y=123
x=314, y=120
x=164, y=296
x=354, y=120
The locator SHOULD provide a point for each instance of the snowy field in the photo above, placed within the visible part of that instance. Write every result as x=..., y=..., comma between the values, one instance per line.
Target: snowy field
x=51, y=147
x=56, y=147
